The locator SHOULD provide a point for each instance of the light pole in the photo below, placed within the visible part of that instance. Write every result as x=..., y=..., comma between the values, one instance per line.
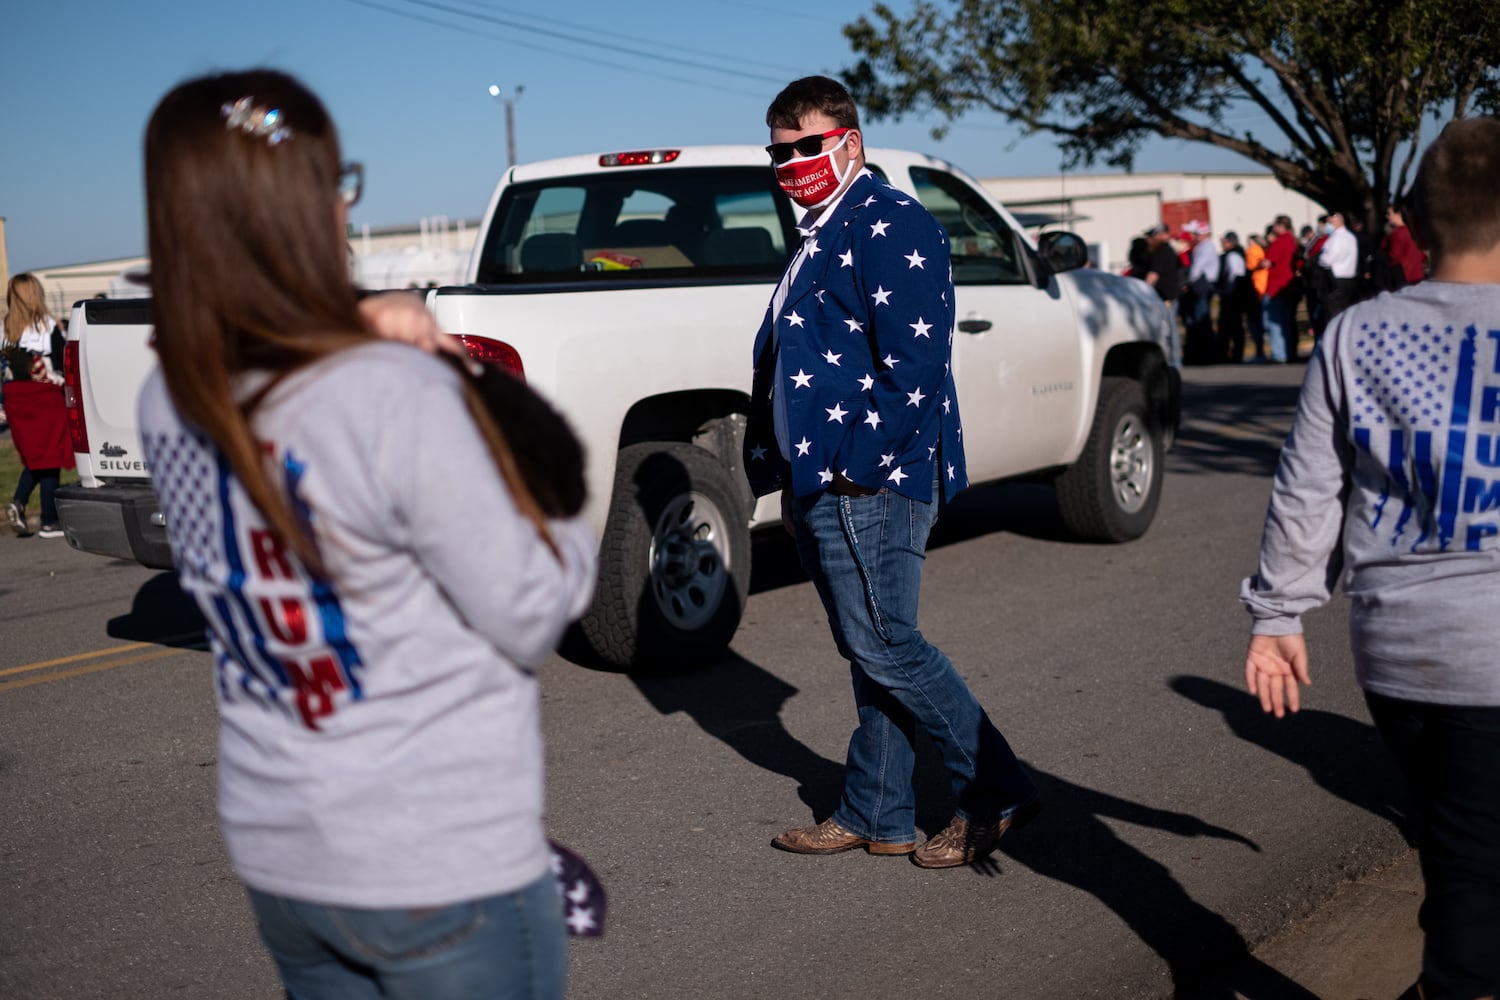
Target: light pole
x=510, y=120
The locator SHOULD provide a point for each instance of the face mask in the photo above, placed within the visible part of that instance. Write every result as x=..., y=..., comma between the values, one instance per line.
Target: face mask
x=812, y=181
x=1327, y=229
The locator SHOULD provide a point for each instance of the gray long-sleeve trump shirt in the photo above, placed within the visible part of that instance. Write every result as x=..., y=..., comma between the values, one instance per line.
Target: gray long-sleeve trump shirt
x=1390, y=480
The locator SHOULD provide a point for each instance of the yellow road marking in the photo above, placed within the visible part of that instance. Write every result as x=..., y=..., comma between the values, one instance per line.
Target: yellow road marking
x=93, y=668
x=74, y=658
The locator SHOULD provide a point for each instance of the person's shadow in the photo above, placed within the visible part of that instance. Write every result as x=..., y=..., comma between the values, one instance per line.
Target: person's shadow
x=1346, y=758
x=739, y=703
x=1070, y=843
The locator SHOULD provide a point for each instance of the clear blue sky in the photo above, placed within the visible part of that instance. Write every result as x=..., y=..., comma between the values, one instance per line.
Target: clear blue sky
x=406, y=82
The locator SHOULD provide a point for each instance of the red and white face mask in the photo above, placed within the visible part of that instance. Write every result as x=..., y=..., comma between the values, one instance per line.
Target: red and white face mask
x=812, y=181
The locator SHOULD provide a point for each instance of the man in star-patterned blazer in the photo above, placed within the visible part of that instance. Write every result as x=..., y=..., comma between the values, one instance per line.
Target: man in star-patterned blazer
x=854, y=417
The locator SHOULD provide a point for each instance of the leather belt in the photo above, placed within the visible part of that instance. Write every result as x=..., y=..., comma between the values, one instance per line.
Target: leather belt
x=848, y=488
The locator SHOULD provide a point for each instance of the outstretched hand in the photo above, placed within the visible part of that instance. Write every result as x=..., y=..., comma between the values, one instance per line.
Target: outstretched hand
x=1274, y=666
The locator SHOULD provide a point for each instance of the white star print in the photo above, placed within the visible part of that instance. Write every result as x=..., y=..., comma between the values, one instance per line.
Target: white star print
x=921, y=328
x=897, y=476
x=825, y=476
x=931, y=451
x=903, y=203
x=867, y=383
x=757, y=453
x=915, y=398
x=867, y=202
x=889, y=361
x=846, y=259
x=947, y=403
x=881, y=296
x=803, y=445
x=872, y=418
x=581, y=919
x=886, y=460
x=854, y=325
x=820, y=293
x=837, y=414
x=879, y=229
x=950, y=470
x=802, y=380
x=793, y=318
x=832, y=359
x=813, y=249
x=915, y=259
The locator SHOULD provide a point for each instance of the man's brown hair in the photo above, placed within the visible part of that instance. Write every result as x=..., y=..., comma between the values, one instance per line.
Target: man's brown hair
x=1452, y=202
x=809, y=95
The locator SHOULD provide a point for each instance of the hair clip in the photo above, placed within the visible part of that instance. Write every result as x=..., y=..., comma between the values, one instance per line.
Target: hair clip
x=262, y=122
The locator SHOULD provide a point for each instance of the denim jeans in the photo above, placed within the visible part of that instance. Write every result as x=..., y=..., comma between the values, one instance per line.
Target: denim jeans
x=1450, y=755
x=511, y=947
x=865, y=557
x=1279, y=322
x=47, y=479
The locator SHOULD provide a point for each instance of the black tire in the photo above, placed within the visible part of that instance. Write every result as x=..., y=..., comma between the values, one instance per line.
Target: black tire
x=1111, y=493
x=674, y=563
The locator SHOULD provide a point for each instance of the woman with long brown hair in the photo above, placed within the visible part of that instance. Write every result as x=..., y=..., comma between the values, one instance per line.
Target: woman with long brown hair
x=32, y=371
x=378, y=582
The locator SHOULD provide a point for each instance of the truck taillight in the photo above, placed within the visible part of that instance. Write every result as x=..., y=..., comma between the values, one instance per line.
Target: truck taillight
x=73, y=399
x=494, y=352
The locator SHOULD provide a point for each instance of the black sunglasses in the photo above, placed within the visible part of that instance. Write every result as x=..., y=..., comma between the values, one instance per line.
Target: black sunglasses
x=808, y=145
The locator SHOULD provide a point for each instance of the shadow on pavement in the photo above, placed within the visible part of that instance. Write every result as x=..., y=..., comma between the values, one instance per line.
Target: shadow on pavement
x=740, y=703
x=1235, y=428
x=1069, y=842
x=161, y=613
x=1346, y=758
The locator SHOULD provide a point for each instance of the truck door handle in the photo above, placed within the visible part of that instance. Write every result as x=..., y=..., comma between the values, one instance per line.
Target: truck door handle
x=974, y=325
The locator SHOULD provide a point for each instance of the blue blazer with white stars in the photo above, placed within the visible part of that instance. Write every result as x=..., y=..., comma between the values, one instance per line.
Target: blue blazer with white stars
x=866, y=344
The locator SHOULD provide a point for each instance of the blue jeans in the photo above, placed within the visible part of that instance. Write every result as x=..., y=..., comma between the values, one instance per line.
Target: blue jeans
x=1280, y=321
x=865, y=557
x=47, y=479
x=511, y=947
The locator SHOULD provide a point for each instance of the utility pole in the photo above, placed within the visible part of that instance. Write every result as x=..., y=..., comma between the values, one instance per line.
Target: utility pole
x=510, y=120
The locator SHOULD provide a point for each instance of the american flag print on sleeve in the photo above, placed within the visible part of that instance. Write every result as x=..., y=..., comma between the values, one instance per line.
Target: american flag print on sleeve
x=277, y=632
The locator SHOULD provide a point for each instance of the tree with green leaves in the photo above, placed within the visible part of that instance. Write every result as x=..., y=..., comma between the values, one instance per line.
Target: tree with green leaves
x=1344, y=84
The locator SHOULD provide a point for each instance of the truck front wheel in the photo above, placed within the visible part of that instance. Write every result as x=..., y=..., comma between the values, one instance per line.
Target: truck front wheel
x=1110, y=494
x=674, y=563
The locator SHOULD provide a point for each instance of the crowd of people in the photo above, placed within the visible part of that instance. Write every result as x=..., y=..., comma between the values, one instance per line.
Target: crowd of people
x=1274, y=288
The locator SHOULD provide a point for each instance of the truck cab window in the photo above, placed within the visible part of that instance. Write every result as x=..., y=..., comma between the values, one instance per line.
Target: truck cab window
x=984, y=249
x=640, y=225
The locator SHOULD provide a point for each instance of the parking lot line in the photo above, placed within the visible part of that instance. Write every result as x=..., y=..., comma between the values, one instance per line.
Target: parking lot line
x=157, y=652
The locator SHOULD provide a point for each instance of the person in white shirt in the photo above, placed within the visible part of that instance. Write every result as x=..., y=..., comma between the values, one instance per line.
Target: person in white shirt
x=1202, y=281
x=1340, y=255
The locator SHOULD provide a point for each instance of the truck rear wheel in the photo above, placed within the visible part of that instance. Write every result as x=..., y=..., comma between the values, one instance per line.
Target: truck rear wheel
x=674, y=563
x=1111, y=493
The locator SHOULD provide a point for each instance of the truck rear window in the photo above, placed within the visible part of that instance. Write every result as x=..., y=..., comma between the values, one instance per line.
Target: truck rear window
x=639, y=225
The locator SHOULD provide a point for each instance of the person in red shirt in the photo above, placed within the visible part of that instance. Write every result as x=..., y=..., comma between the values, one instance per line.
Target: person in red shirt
x=1401, y=250
x=39, y=430
x=1280, y=297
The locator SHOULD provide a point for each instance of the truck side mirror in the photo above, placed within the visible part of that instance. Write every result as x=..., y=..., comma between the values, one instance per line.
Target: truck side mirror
x=1062, y=251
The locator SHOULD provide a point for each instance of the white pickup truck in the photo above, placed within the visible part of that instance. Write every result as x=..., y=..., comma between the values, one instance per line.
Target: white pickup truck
x=626, y=287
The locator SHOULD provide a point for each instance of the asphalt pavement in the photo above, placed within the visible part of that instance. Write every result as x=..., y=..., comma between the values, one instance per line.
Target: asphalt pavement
x=1189, y=845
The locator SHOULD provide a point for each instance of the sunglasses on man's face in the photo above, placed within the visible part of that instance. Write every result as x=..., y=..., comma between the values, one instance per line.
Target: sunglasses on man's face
x=808, y=145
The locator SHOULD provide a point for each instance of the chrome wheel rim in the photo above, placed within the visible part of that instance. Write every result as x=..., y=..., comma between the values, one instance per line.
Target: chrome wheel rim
x=1131, y=463
x=689, y=564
